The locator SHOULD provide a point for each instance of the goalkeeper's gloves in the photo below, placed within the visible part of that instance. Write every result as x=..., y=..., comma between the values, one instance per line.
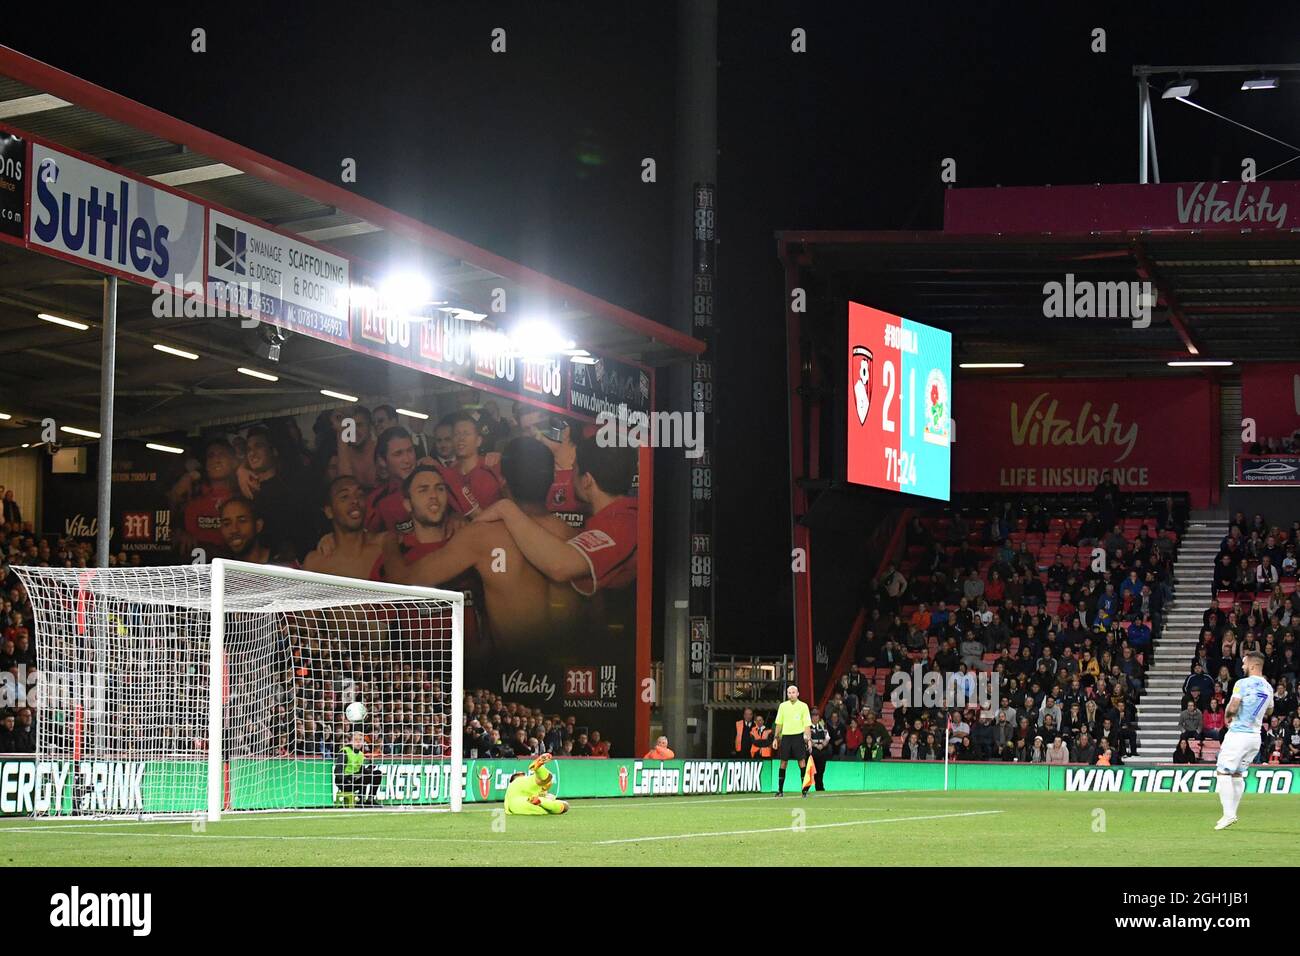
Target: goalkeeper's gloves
x=543, y=759
x=535, y=801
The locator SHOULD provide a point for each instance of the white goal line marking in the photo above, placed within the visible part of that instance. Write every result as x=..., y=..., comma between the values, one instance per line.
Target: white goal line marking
x=186, y=819
x=580, y=803
x=498, y=842
x=319, y=837
x=790, y=829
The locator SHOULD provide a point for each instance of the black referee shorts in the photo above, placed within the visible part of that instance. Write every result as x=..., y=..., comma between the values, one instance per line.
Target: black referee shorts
x=792, y=747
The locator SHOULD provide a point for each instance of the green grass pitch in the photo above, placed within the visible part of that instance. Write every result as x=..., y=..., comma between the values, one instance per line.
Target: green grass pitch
x=846, y=829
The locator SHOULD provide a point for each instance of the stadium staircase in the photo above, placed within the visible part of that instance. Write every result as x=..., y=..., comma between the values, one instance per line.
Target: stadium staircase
x=1173, y=650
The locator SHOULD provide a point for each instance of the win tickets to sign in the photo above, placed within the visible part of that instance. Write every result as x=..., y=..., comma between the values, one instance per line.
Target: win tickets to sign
x=900, y=403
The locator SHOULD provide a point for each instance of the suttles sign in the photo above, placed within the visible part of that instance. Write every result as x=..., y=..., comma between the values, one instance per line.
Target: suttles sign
x=112, y=221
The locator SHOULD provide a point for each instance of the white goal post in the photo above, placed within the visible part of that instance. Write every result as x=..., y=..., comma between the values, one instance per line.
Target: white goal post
x=204, y=689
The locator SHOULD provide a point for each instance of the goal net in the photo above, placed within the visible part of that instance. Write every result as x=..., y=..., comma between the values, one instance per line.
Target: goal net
x=226, y=687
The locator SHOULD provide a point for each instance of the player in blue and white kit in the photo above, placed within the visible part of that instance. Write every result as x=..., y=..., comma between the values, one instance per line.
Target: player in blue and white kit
x=1251, y=704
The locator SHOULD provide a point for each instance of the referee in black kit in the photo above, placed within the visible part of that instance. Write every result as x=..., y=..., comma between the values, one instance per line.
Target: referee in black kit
x=793, y=735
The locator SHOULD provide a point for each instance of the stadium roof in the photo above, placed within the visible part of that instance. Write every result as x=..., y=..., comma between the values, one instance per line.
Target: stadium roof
x=1229, y=296
x=59, y=369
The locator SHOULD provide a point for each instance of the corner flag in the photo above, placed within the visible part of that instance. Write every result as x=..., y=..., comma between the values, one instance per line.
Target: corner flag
x=947, y=732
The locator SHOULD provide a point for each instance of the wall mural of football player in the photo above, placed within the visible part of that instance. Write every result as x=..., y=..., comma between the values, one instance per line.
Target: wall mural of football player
x=241, y=529
x=520, y=607
x=604, y=554
x=199, y=497
x=356, y=553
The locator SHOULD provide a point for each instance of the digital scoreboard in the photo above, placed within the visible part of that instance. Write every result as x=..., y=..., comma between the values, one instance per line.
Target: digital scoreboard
x=899, y=404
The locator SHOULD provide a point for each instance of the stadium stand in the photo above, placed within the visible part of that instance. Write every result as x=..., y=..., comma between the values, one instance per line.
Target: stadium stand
x=1003, y=592
x=1249, y=610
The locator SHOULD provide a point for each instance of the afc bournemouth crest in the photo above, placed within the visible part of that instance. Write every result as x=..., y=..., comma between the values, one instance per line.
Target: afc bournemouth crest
x=861, y=367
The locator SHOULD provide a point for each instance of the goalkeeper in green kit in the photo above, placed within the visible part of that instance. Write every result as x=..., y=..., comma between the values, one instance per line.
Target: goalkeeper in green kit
x=527, y=793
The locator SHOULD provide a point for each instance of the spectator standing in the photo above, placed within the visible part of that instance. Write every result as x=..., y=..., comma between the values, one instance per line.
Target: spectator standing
x=761, y=735
x=744, y=733
x=894, y=584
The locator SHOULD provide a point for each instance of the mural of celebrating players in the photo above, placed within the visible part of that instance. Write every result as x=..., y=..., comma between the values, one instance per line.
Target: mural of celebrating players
x=523, y=512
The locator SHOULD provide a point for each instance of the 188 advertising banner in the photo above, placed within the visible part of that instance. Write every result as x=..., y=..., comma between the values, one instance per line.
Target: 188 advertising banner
x=444, y=342
x=1053, y=436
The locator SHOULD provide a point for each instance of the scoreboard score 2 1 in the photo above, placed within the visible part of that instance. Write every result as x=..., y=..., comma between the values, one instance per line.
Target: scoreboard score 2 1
x=900, y=404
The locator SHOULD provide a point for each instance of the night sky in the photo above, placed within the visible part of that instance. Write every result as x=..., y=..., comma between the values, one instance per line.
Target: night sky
x=536, y=154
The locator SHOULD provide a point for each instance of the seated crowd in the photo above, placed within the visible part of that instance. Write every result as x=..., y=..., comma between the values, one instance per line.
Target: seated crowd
x=18, y=545
x=1287, y=445
x=1053, y=601
x=1256, y=606
x=494, y=728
